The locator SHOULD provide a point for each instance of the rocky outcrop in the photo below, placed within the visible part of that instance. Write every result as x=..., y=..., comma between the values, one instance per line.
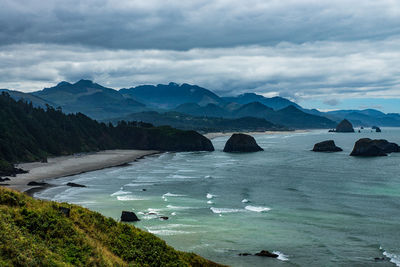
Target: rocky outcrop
x=344, y=127
x=266, y=253
x=377, y=129
x=326, y=146
x=241, y=143
x=168, y=139
x=129, y=216
x=75, y=185
x=372, y=148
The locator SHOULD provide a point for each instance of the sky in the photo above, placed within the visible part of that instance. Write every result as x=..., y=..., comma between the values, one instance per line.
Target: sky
x=337, y=54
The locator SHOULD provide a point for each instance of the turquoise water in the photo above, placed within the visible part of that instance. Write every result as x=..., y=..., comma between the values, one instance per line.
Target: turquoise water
x=315, y=209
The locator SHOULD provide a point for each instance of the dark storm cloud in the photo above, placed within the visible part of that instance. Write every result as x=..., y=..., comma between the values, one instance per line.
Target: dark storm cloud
x=176, y=25
x=301, y=49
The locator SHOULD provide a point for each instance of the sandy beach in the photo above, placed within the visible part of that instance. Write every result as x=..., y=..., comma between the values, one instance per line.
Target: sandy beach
x=57, y=167
x=219, y=134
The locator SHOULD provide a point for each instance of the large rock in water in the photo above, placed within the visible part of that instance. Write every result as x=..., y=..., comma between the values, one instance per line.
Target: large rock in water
x=242, y=143
x=326, y=146
x=129, y=216
x=344, y=127
x=371, y=148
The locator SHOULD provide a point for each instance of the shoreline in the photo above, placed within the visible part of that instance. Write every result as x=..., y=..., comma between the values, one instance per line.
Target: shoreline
x=220, y=134
x=62, y=166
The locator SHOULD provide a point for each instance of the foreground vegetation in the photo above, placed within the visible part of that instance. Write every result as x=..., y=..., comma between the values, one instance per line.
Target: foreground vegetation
x=29, y=133
x=38, y=233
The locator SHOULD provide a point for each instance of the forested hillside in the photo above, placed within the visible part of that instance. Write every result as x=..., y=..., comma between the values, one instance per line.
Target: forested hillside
x=30, y=133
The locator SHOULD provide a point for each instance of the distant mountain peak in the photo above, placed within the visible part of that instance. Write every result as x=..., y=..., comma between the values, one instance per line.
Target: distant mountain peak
x=256, y=104
x=63, y=83
x=291, y=108
x=84, y=82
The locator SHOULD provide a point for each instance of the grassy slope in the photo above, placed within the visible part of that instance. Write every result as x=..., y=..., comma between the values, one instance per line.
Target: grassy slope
x=36, y=233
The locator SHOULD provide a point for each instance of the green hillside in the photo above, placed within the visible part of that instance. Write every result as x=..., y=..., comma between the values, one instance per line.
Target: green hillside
x=45, y=233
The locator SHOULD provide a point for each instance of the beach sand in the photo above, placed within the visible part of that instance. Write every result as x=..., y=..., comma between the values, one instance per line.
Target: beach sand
x=57, y=167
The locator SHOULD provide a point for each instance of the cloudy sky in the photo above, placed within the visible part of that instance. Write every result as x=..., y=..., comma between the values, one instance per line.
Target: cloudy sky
x=324, y=54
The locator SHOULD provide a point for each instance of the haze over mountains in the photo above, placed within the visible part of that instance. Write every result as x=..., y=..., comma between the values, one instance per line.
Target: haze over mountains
x=191, y=106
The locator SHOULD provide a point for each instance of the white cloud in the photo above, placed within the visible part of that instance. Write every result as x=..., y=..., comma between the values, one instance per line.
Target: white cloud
x=323, y=70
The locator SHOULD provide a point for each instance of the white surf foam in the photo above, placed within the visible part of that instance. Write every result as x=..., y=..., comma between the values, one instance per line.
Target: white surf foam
x=177, y=176
x=281, y=256
x=207, y=176
x=179, y=207
x=224, y=210
x=172, y=195
x=393, y=257
x=210, y=202
x=245, y=201
x=128, y=198
x=257, y=209
x=210, y=196
x=169, y=232
x=139, y=184
x=120, y=192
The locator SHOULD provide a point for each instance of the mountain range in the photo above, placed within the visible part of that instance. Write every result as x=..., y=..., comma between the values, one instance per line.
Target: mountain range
x=157, y=103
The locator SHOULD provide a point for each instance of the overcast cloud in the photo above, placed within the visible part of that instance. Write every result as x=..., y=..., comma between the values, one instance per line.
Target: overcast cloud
x=301, y=49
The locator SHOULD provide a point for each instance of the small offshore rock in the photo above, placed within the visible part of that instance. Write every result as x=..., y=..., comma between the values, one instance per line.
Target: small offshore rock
x=266, y=253
x=164, y=218
x=129, y=216
x=326, y=146
x=75, y=185
x=345, y=127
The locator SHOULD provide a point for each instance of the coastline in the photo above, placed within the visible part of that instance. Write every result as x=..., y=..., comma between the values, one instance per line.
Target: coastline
x=57, y=167
x=220, y=134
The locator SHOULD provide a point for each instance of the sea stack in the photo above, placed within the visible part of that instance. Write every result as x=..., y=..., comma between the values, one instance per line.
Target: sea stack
x=326, y=146
x=129, y=216
x=344, y=127
x=366, y=147
x=242, y=143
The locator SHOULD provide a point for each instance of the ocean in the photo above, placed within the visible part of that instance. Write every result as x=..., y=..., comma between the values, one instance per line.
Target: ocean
x=313, y=209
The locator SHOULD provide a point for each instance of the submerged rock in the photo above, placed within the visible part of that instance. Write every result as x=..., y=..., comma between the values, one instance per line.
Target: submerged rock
x=242, y=143
x=372, y=148
x=326, y=146
x=266, y=253
x=75, y=185
x=129, y=216
x=245, y=254
x=34, y=183
x=344, y=127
